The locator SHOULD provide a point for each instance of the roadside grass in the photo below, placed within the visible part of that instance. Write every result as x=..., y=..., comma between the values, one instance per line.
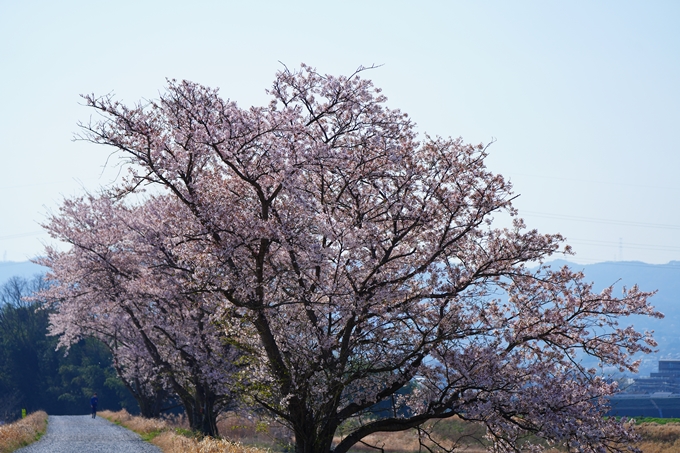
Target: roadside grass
x=22, y=432
x=175, y=439
x=147, y=428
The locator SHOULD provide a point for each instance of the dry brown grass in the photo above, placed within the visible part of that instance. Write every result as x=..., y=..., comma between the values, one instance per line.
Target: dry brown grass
x=22, y=432
x=163, y=434
x=140, y=425
x=659, y=438
x=656, y=438
x=405, y=442
x=171, y=442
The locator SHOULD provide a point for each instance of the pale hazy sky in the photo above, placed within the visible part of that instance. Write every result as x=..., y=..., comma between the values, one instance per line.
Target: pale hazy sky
x=582, y=98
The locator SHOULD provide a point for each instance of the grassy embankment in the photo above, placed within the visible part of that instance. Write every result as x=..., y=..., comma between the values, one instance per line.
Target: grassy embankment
x=22, y=432
x=248, y=436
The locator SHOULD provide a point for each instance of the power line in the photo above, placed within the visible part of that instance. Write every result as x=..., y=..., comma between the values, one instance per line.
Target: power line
x=592, y=181
x=624, y=245
x=22, y=235
x=595, y=220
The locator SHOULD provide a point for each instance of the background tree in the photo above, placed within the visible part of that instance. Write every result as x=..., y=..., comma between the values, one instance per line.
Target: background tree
x=353, y=261
x=34, y=375
x=24, y=343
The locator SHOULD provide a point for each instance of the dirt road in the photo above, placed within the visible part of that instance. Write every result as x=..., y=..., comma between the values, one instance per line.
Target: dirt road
x=82, y=434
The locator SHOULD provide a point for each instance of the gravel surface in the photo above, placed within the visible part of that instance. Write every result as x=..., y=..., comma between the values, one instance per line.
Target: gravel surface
x=82, y=434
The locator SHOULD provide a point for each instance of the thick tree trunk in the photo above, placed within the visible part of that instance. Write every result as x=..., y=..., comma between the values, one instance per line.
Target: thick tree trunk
x=310, y=442
x=311, y=436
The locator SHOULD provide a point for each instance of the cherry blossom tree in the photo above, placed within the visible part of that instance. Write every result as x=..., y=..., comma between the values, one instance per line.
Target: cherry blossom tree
x=121, y=284
x=143, y=380
x=356, y=263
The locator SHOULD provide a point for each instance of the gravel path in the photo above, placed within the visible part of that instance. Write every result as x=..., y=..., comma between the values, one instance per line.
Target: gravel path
x=82, y=434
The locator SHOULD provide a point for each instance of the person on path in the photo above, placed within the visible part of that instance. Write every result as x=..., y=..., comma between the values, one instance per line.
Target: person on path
x=93, y=403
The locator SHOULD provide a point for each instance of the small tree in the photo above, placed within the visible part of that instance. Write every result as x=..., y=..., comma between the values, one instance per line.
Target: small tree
x=121, y=283
x=354, y=263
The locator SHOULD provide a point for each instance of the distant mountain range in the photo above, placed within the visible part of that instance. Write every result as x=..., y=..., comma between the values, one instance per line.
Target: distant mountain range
x=25, y=269
x=665, y=278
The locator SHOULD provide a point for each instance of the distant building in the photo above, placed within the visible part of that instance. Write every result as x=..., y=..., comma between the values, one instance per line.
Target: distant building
x=667, y=379
x=655, y=396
